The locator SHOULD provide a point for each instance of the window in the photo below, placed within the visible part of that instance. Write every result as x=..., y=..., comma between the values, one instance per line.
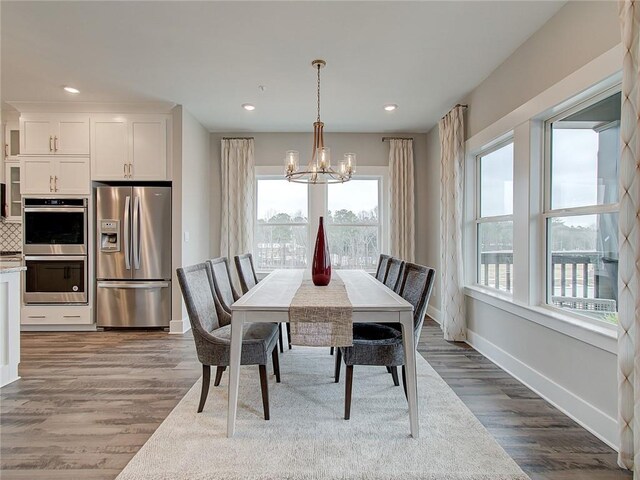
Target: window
x=353, y=224
x=281, y=227
x=494, y=217
x=581, y=208
x=287, y=214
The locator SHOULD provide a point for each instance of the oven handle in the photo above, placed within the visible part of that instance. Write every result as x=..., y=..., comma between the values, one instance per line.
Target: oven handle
x=133, y=284
x=55, y=258
x=56, y=209
x=127, y=254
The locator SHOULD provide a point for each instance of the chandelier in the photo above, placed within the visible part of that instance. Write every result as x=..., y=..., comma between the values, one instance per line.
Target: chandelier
x=319, y=169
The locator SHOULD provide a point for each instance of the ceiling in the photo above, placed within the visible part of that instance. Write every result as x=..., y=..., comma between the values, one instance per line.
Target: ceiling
x=211, y=57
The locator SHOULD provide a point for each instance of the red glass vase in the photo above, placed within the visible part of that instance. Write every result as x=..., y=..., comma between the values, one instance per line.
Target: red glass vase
x=321, y=266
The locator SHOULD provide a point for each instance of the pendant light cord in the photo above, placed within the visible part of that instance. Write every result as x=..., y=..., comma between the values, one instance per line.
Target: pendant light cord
x=318, y=92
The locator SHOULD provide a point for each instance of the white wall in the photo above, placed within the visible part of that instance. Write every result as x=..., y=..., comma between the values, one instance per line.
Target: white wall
x=577, y=376
x=270, y=149
x=191, y=174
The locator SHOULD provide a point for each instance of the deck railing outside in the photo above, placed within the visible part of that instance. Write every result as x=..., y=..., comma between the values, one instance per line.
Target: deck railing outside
x=580, y=280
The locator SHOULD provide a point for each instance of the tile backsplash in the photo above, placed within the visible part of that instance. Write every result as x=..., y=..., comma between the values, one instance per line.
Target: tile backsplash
x=10, y=237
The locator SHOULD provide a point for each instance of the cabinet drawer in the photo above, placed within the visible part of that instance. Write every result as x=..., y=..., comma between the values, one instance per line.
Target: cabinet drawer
x=56, y=315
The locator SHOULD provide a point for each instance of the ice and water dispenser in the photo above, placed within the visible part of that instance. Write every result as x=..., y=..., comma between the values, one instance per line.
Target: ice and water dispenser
x=109, y=235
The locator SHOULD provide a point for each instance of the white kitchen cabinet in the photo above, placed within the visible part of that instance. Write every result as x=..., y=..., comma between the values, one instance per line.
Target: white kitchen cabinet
x=109, y=148
x=129, y=147
x=54, y=134
x=48, y=315
x=13, y=192
x=61, y=175
x=149, y=149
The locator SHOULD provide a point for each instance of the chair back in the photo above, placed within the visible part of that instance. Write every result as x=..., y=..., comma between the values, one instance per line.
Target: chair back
x=416, y=285
x=394, y=269
x=222, y=283
x=197, y=290
x=246, y=272
x=383, y=265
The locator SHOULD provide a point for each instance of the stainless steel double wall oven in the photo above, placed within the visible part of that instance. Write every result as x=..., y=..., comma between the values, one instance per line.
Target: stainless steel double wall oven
x=55, y=248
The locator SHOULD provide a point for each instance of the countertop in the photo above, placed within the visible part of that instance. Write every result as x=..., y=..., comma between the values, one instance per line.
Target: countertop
x=11, y=267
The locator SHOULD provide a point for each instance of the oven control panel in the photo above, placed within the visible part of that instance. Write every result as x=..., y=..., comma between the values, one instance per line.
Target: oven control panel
x=109, y=235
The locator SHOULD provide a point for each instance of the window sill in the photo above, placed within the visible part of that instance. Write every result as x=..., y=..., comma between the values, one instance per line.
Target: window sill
x=603, y=336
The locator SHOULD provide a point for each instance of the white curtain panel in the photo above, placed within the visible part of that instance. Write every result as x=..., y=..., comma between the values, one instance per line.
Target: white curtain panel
x=629, y=244
x=402, y=199
x=238, y=179
x=451, y=129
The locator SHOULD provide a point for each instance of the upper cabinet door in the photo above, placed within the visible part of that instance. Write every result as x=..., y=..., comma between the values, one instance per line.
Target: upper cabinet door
x=149, y=148
x=50, y=134
x=36, y=136
x=36, y=175
x=71, y=176
x=72, y=136
x=109, y=148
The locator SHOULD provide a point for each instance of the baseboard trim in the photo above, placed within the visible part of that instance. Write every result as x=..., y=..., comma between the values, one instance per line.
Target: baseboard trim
x=434, y=313
x=588, y=416
x=179, y=327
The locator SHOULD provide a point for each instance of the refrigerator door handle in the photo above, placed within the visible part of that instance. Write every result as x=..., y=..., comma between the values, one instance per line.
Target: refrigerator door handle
x=136, y=233
x=127, y=255
x=133, y=285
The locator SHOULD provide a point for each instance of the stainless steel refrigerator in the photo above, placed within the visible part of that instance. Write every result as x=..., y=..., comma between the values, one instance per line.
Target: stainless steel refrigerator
x=133, y=256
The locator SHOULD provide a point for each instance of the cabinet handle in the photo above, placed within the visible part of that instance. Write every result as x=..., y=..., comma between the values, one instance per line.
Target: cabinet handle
x=36, y=316
x=124, y=170
x=6, y=145
x=50, y=182
x=130, y=166
x=50, y=143
x=55, y=143
x=55, y=183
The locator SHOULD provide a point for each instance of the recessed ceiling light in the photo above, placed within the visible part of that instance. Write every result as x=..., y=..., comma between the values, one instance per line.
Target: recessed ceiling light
x=71, y=90
x=248, y=106
x=390, y=107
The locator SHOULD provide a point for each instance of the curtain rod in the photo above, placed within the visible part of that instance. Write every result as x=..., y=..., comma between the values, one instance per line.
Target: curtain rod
x=237, y=138
x=463, y=105
x=384, y=139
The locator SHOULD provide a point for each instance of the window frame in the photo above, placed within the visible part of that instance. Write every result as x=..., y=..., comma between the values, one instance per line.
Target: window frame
x=383, y=242
x=547, y=212
x=479, y=219
x=318, y=202
x=261, y=174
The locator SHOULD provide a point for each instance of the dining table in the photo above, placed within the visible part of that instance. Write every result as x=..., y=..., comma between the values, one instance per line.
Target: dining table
x=371, y=301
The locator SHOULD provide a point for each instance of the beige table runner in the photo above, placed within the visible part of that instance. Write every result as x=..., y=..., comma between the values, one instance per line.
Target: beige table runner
x=321, y=316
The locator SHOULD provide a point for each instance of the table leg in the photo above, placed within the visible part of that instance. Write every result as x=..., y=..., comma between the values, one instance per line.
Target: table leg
x=237, y=321
x=406, y=319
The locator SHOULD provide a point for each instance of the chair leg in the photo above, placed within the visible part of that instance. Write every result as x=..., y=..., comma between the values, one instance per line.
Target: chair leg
x=404, y=382
x=280, y=342
x=388, y=369
x=331, y=351
x=265, y=390
x=276, y=364
x=206, y=377
x=394, y=375
x=289, y=335
x=347, y=396
x=219, y=372
x=336, y=372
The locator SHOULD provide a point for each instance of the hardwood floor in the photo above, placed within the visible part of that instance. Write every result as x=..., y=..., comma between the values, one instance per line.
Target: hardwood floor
x=542, y=440
x=88, y=401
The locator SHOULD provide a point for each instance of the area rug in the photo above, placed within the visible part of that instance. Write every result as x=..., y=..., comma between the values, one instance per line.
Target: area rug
x=307, y=437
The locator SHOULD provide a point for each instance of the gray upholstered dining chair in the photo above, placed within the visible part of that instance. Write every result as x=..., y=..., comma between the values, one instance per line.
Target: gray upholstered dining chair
x=395, y=267
x=222, y=282
x=246, y=271
x=380, y=344
x=212, y=335
x=383, y=265
x=248, y=280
